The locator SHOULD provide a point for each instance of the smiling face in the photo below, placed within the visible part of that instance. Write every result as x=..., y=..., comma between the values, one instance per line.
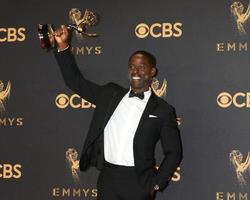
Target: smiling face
x=140, y=72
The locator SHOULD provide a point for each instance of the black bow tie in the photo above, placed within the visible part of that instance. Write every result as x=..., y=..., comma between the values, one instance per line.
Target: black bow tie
x=133, y=94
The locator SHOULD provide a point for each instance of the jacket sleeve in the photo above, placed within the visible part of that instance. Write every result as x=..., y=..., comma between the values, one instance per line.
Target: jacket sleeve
x=74, y=79
x=172, y=149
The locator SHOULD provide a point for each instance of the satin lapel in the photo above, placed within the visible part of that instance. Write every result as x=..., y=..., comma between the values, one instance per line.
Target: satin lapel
x=115, y=100
x=151, y=105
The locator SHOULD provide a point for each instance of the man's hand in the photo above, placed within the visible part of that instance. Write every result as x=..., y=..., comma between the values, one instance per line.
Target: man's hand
x=152, y=194
x=61, y=37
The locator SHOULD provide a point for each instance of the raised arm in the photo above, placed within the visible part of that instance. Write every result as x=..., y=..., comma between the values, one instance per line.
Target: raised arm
x=71, y=74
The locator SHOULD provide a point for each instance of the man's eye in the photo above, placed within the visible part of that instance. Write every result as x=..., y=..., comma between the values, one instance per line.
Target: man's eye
x=142, y=66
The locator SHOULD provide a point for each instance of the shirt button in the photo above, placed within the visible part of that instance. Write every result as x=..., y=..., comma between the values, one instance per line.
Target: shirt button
x=156, y=187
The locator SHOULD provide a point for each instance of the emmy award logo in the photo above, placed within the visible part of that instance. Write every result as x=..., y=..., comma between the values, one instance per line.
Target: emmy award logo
x=71, y=158
x=240, y=167
x=241, y=18
x=4, y=95
x=80, y=21
x=79, y=25
x=159, y=91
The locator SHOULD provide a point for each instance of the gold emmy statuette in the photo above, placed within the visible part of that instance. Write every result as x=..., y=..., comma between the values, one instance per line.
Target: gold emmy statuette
x=79, y=25
x=241, y=17
x=159, y=91
x=4, y=95
x=71, y=157
x=241, y=167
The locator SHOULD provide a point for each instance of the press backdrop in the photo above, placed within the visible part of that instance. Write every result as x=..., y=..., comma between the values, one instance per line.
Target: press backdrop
x=202, y=50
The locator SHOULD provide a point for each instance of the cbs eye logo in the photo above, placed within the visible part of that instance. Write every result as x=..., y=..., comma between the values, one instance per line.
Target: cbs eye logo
x=156, y=30
x=74, y=101
x=224, y=99
x=239, y=99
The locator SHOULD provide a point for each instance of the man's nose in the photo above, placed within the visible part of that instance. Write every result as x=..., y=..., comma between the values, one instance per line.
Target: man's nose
x=135, y=70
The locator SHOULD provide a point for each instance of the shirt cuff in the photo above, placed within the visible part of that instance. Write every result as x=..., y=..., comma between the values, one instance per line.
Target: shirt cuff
x=60, y=50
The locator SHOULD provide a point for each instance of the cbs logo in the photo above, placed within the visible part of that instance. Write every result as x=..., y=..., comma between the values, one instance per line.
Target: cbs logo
x=239, y=99
x=12, y=34
x=8, y=171
x=176, y=175
x=156, y=30
x=75, y=101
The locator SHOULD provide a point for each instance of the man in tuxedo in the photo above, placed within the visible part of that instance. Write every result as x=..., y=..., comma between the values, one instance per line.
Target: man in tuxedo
x=125, y=128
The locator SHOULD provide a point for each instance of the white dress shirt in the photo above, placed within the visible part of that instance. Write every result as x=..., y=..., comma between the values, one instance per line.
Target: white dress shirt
x=120, y=129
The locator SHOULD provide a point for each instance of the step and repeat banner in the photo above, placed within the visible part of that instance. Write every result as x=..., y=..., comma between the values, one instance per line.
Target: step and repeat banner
x=202, y=51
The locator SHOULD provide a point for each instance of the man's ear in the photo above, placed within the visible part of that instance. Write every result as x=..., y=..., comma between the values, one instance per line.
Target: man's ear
x=154, y=71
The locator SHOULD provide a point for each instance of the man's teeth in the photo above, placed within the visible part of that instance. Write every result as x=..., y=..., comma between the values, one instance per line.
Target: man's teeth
x=136, y=78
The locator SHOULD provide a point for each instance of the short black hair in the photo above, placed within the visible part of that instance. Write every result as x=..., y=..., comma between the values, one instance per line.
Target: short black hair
x=151, y=58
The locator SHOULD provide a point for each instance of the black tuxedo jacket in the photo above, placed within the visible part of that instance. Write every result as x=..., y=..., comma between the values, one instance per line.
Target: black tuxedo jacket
x=150, y=130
